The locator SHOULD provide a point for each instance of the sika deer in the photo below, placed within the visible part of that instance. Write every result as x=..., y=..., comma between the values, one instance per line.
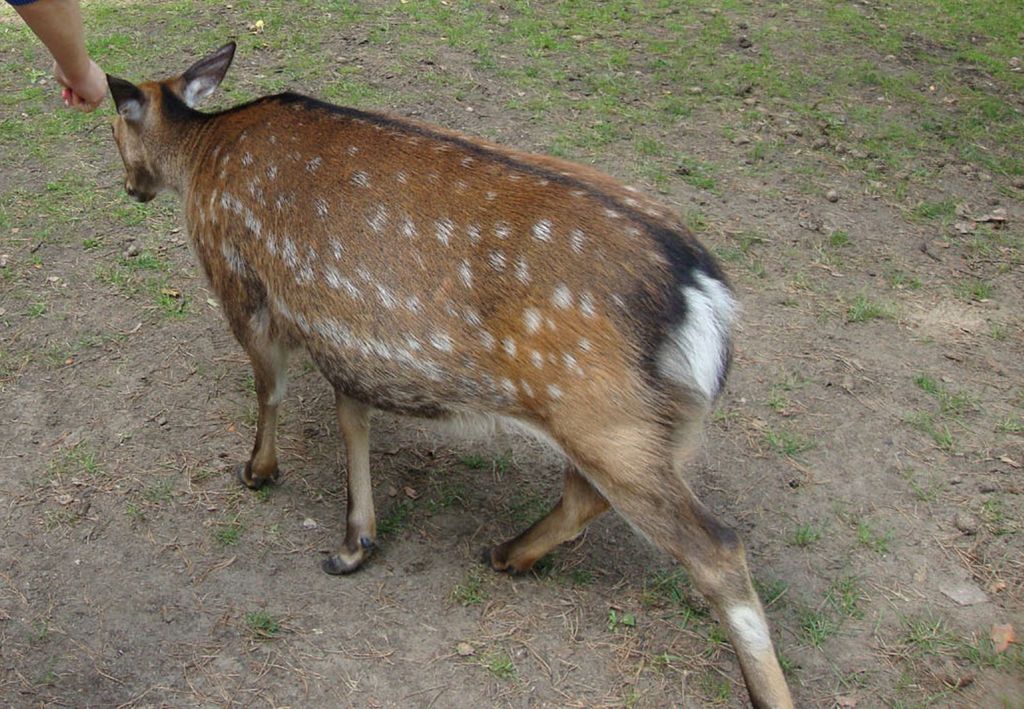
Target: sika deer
x=437, y=275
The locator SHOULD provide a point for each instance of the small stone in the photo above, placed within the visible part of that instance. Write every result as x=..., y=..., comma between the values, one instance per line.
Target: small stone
x=987, y=487
x=963, y=593
x=309, y=523
x=1018, y=183
x=745, y=42
x=464, y=649
x=993, y=201
x=820, y=143
x=832, y=196
x=161, y=420
x=966, y=523
x=132, y=250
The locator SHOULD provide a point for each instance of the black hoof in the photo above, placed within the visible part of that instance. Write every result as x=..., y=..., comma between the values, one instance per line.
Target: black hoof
x=336, y=566
x=242, y=472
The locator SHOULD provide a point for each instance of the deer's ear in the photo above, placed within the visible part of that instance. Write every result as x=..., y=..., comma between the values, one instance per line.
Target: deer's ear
x=128, y=98
x=205, y=75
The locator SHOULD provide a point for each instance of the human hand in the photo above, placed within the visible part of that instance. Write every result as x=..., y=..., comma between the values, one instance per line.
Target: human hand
x=85, y=92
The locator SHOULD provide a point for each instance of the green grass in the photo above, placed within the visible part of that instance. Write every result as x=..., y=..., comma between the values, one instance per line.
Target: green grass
x=787, y=443
x=806, y=534
x=870, y=537
x=469, y=592
x=816, y=627
x=973, y=289
x=499, y=664
x=395, y=519
x=864, y=309
x=262, y=624
x=955, y=404
x=228, y=533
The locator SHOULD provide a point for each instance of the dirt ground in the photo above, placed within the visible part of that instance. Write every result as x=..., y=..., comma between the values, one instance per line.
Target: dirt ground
x=868, y=448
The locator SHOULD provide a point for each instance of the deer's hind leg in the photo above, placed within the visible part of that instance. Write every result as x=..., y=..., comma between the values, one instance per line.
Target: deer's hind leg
x=579, y=504
x=632, y=459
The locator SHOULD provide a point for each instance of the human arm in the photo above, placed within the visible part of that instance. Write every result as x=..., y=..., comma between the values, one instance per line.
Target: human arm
x=58, y=24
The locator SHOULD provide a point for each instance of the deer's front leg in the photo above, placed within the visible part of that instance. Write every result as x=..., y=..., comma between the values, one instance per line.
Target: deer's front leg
x=270, y=369
x=361, y=524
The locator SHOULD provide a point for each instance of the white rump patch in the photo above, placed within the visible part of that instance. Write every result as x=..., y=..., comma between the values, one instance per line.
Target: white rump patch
x=694, y=354
x=748, y=624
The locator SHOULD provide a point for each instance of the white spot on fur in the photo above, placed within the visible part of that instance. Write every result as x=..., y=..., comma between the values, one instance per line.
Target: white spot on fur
x=466, y=161
x=337, y=249
x=401, y=177
x=562, y=297
x=466, y=274
x=442, y=341
x=577, y=238
x=497, y=260
x=408, y=228
x=542, y=230
x=502, y=230
x=587, y=304
x=412, y=304
x=509, y=345
x=554, y=391
x=522, y=271
x=612, y=214
x=320, y=205
x=585, y=344
x=271, y=171
x=748, y=624
x=695, y=353
x=487, y=340
x=360, y=179
x=532, y=319
x=314, y=164
x=525, y=386
x=253, y=223
x=510, y=387
x=490, y=195
x=247, y=159
x=352, y=150
x=288, y=253
x=473, y=231
x=379, y=219
x=443, y=229
x=537, y=358
x=234, y=259
x=386, y=297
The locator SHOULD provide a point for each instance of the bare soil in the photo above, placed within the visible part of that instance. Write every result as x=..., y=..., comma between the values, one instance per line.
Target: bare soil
x=135, y=571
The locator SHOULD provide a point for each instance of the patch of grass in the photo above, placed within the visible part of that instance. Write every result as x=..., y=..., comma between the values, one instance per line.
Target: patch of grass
x=838, y=239
x=696, y=173
x=817, y=627
x=900, y=280
x=395, y=520
x=1011, y=424
x=617, y=620
x=868, y=536
x=228, y=533
x=944, y=210
x=939, y=432
x=470, y=591
x=845, y=595
x=159, y=491
x=79, y=460
x=951, y=403
x=995, y=517
x=926, y=634
x=806, y=534
x=771, y=592
x=863, y=309
x=499, y=664
x=925, y=492
x=787, y=443
x=262, y=624
x=36, y=310
x=715, y=688
x=973, y=289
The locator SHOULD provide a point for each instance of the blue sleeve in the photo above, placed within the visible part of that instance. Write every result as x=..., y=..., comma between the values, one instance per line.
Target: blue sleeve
x=20, y=2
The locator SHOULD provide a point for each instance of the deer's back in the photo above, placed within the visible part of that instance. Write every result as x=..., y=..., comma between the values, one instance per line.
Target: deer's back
x=441, y=269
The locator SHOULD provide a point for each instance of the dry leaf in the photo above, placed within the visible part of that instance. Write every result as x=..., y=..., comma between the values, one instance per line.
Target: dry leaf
x=1009, y=461
x=410, y=492
x=1002, y=636
x=172, y=292
x=256, y=27
x=997, y=586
